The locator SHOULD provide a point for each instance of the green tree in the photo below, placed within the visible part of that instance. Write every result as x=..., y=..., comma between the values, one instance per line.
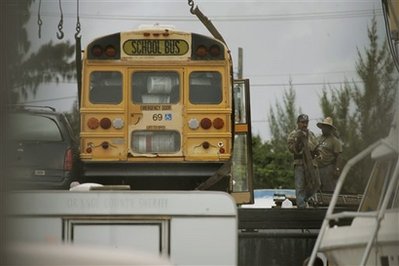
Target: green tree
x=27, y=69
x=363, y=114
x=272, y=160
x=283, y=120
x=374, y=100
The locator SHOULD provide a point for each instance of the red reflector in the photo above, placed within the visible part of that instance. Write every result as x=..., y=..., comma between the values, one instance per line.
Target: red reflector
x=205, y=145
x=201, y=51
x=214, y=50
x=222, y=150
x=105, y=123
x=110, y=51
x=89, y=150
x=93, y=123
x=68, y=160
x=218, y=123
x=206, y=123
x=97, y=50
x=105, y=145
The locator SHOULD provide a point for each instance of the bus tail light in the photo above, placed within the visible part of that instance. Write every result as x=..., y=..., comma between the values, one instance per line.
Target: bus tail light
x=206, y=123
x=222, y=150
x=105, y=123
x=218, y=123
x=93, y=123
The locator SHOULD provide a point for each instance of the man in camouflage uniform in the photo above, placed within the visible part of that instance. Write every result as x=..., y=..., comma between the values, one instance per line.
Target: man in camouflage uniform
x=328, y=159
x=302, y=142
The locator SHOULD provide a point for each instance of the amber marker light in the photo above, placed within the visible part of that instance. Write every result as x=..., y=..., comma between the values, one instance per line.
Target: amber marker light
x=105, y=123
x=93, y=123
x=218, y=123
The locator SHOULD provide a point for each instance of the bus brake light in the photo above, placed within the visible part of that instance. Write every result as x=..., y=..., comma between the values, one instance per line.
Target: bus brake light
x=105, y=123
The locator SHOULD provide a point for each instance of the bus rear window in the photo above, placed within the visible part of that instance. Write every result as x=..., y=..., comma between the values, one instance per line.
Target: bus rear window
x=105, y=87
x=205, y=87
x=155, y=87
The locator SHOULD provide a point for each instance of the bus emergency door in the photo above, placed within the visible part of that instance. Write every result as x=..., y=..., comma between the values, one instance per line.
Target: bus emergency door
x=155, y=112
x=242, y=155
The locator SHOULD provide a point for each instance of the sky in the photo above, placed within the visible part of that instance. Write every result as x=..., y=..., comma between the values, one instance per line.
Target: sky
x=313, y=43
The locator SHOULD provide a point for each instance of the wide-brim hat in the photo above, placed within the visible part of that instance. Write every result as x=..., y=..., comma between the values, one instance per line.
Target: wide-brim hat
x=326, y=122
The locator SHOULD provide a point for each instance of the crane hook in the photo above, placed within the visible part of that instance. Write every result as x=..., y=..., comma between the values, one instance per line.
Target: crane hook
x=191, y=4
x=60, y=33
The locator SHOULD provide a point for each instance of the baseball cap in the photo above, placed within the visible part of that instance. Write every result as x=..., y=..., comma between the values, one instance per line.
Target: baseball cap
x=302, y=117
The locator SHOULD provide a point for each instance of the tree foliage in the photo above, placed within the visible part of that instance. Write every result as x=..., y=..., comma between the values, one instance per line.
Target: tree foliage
x=27, y=69
x=272, y=160
x=362, y=114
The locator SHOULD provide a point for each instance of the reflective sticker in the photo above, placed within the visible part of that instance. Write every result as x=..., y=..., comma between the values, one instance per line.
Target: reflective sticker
x=168, y=117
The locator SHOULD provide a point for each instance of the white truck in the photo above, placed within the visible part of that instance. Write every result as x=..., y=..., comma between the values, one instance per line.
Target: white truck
x=187, y=228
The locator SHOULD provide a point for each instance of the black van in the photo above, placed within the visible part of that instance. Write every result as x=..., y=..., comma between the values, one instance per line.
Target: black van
x=42, y=150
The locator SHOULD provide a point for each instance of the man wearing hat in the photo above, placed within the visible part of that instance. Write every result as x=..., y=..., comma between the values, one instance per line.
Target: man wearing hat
x=302, y=142
x=328, y=159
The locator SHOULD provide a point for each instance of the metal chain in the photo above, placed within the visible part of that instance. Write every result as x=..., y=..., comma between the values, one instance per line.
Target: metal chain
x=191, y=4
x=205, y=21
x=39, y=20
x=77, y=21
x=60, y=33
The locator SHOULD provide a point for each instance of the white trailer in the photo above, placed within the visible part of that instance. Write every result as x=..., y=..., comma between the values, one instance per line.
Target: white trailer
x=189, y=228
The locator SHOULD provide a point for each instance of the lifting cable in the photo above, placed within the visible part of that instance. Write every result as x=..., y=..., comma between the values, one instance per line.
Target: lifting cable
x=205, y=21
x=78, y=53
x=60, y=33
x=39, y=19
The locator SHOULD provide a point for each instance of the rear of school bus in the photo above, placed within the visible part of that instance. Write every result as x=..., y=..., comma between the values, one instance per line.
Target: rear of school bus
x=156, y=109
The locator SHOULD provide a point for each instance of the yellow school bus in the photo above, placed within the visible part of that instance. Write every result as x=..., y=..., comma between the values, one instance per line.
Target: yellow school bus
x=157, y=110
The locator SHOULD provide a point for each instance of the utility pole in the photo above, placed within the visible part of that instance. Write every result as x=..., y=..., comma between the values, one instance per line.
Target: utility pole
x=240, y=63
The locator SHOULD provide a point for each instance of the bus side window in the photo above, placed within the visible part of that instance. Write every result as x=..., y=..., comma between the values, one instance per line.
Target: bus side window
x=105, y=87
x=205, y=88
